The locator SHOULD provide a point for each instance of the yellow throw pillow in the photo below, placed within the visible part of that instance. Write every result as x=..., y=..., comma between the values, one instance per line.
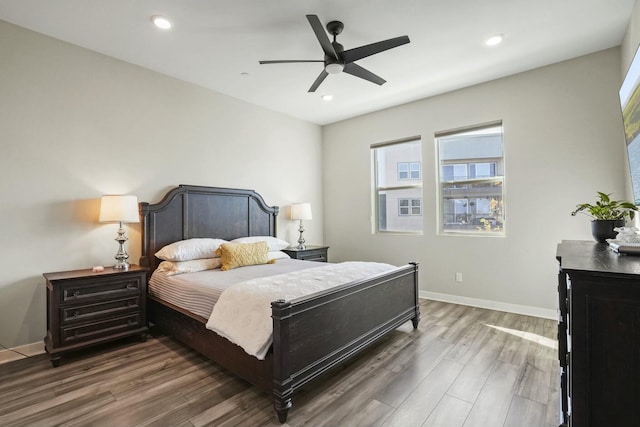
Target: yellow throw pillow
x=235, y=255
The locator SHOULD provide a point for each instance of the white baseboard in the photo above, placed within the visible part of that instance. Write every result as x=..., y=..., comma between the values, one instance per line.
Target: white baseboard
x=545, y=313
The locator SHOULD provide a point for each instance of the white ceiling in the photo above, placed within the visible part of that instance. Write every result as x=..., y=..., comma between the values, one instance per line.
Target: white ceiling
x=213, y=42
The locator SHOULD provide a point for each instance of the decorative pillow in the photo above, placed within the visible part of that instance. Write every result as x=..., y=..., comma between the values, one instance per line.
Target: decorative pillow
x=187, y=250
x=235, y=255
x=274, y=243
x=179, y=267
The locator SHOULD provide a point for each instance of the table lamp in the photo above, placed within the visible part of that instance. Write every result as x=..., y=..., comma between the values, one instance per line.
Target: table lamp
x=300, y=211
x=121, y=209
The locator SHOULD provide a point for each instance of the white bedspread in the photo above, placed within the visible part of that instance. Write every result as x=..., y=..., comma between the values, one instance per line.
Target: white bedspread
x=243, y=311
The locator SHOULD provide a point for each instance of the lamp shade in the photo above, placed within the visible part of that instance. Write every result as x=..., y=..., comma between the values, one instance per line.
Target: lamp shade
x=119, y=209
x=301, y=211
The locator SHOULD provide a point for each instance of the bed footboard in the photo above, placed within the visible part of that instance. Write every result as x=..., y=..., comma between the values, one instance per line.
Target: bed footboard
x=316, y=333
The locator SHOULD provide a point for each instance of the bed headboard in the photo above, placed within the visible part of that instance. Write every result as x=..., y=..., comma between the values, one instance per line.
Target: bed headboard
x=189, y=211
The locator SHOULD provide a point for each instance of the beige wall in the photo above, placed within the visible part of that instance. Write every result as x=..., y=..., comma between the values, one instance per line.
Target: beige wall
x=75, y=125
x=631, y=38
x=559, y=122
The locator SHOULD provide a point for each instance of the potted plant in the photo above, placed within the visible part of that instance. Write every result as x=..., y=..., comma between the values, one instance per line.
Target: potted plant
x=607, y=214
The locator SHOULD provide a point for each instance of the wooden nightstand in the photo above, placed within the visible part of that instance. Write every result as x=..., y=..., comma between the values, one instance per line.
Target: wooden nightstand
x=85, y=308
x=311, y=253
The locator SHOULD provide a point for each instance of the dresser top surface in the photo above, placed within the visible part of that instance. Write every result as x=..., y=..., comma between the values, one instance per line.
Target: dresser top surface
x=578, y=255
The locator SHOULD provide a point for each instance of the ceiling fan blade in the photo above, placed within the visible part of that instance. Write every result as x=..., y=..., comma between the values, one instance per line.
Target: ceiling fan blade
x=363, y=73
x=287, y=61
x=373, y=48
x=323, y=75
x=322, y=37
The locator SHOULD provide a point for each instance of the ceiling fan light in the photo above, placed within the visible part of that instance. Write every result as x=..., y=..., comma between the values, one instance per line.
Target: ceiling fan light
x=334, y=68
x=494, y=40
x=161, y=22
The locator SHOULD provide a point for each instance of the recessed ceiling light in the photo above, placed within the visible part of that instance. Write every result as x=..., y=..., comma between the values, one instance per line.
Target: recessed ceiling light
x=244, y=74
x=327, y=98
x=494, y=40
x=161, y=22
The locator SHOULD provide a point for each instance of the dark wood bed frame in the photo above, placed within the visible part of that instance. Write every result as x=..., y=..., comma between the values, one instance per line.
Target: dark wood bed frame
x=311, y=335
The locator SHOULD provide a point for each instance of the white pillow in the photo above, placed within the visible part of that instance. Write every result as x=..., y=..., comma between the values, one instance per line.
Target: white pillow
x=179, y=267
x=274, y=243
x=187, y=250
x=277, y=255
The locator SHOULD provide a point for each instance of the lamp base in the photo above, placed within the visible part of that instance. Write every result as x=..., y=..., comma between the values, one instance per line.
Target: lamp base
x=121, y=256
x=301, y=244
x=121, y=265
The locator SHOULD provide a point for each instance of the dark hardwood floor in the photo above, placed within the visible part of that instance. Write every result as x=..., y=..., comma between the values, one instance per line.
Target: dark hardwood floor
x=464, y=366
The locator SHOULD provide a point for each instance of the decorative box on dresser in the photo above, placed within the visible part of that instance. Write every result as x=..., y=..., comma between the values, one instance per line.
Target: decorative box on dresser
x=85, y=308
x=310, y=253
x=598, y=335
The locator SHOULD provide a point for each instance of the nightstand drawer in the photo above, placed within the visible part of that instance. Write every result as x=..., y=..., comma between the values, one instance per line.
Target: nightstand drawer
x=315, y=255
x=309, y=253
x=99, y=289
x=86, y=307
x=94, y=330
x=90, y=312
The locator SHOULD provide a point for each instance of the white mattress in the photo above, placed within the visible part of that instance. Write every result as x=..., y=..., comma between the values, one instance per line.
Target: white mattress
x=198, y=292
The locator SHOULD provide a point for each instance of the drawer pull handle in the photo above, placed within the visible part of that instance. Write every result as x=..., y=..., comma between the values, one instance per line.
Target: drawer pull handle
x=131, y=322
x=76, y=293
x=129, y=285
x=131, y=303
x=76, y=313
x=76, y=333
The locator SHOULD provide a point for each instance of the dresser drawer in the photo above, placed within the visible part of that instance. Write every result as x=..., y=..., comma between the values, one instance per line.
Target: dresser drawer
x=103, y=288
x=91, y=312
x=94, y=330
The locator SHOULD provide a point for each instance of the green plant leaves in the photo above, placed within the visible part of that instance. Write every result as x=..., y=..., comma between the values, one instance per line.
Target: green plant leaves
x=605, y=208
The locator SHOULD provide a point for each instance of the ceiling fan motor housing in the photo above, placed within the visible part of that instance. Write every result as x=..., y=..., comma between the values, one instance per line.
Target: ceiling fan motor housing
x=334, y=65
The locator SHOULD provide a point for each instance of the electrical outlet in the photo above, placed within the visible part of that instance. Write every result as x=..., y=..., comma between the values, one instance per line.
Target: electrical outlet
x=458, y=277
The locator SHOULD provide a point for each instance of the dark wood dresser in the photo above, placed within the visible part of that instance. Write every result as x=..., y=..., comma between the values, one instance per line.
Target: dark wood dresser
x=86, y=308
x=598, y=335
x=310, y=253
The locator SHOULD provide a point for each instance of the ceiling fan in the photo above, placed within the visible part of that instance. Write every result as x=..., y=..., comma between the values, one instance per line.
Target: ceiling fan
x=336, y=59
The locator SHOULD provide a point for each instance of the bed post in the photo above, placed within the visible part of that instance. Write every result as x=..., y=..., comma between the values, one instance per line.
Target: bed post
x=282, y=381
x=416, y=319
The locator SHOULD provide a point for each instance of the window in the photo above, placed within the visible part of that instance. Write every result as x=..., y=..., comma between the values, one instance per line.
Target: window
x=409, y=170
x=471, y=180
x=397, y=186
x=409, y=207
